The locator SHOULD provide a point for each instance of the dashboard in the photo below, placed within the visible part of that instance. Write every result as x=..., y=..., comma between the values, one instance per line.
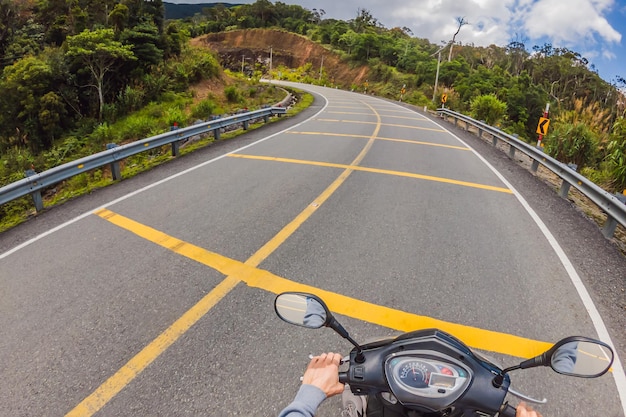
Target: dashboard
x=426, y=379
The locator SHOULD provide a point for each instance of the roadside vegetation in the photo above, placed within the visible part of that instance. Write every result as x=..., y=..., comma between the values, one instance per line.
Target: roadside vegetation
x=77, y=76
x=71, y=83
x=510, y=84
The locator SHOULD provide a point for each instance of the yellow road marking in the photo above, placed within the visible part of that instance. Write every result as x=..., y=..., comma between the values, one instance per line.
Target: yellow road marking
x=384, y=316
x=236, y=272
x=347, y=135
x=417, y=118
x=376, y=171
x=232, y=269
x=384, y=124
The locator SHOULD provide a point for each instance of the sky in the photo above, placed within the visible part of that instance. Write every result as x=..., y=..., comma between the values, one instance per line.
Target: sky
x=594, y=28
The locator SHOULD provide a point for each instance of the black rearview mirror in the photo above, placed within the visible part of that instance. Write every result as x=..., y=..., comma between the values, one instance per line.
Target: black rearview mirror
x=582, y=357
x=304, y=310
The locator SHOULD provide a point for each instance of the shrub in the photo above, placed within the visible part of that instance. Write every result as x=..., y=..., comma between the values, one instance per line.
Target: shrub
x=203, y=109
x=232, y=94
x=488, y=108
x=617, y=154
x=573, y=143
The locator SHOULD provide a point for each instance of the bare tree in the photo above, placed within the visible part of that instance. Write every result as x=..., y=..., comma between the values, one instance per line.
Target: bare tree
x=461, y=22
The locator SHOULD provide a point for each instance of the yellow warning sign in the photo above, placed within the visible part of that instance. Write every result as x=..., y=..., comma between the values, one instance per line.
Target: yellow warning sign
x=542, y=127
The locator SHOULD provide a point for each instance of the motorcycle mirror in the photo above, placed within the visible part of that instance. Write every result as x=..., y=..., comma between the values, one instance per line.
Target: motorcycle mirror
x=574, y=356
x=581, y=357
x=305, y=310
x=308, y=310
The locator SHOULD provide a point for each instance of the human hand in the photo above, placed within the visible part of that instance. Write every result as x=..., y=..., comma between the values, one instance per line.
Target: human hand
x=525, y=411
x=323, y=372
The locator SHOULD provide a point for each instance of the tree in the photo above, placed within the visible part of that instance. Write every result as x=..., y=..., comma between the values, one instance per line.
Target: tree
x=22, y=87
x=145, y=41
x=363, y=21
x=100, y=53
x=461, y=22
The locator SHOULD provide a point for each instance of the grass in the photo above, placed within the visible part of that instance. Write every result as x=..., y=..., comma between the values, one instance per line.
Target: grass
x=151, y=120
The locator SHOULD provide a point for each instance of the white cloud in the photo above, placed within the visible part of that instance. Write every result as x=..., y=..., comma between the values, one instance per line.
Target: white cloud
x=572, y=22
x=437, y=21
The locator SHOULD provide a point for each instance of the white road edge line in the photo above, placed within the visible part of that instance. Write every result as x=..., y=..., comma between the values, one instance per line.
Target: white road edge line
x=598, y=323
x=155, y=184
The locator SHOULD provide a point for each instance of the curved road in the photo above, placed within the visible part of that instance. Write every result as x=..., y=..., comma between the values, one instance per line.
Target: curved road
x=155, y=296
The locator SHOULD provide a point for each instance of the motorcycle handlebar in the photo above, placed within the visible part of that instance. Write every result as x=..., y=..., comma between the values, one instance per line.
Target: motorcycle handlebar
x=343, y=377
x=507, y=411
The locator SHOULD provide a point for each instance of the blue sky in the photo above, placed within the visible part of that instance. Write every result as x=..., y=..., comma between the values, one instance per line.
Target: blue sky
x=594, y=28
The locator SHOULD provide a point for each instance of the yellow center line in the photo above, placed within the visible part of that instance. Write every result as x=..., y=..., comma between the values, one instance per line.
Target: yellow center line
x=376, y=171
x=384, y=124
x=416, y=118
x=380, y=315
x=232, y=269
x=415, y=142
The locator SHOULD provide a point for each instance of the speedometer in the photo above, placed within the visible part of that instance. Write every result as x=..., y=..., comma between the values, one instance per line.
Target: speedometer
x=415, y=374
x=426, y=378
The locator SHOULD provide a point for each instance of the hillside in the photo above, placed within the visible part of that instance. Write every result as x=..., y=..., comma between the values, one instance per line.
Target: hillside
x=289, y=49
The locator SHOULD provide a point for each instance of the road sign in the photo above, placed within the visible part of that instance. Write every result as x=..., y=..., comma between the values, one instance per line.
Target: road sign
x=542, y=127
x=444, y=98
x=403, y=90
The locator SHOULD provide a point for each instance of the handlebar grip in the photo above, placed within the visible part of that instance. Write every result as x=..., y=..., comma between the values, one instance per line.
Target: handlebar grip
x=507, y=411
x=343, y=377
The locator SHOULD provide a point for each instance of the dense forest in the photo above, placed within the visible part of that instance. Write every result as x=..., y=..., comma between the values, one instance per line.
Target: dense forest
x=70, y=67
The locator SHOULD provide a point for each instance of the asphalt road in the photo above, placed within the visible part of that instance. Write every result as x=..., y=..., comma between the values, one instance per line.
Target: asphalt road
x=155, y=296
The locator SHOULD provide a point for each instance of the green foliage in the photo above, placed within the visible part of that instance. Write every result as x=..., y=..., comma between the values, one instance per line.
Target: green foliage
x=616, y=157
x=232, y=94
x=99, y=52
x=194, y=65
x=573, y=143
x=488, y=108
x=203, y=109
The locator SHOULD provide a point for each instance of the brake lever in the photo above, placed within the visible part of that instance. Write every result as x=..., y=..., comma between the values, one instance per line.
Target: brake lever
x=526, y=398
x=341, y=362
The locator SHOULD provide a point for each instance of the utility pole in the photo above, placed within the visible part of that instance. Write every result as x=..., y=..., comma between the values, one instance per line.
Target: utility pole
x=438, y=53
x=271, y=53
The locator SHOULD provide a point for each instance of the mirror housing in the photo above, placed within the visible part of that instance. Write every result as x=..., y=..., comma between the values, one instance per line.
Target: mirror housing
x=306, y=310
x=575, y=356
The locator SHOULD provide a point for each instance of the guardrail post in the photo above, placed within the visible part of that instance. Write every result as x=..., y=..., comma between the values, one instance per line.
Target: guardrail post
x=534, y=166
x=512, y=148
x=565, y=186
x=217, y=133
x=116, y=172
x=564, y=190
x=36, y=195
x=608, y=230
x=176, y=144
x=494, y=140
x=266, y=118
x=511, y=151
x=246, y=124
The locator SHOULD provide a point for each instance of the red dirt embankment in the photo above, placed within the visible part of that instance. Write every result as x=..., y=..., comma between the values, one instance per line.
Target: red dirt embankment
x=289, y=49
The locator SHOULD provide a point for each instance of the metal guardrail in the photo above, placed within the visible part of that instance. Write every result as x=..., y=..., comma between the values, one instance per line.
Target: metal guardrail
x=35, y=182
x=612, y=205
